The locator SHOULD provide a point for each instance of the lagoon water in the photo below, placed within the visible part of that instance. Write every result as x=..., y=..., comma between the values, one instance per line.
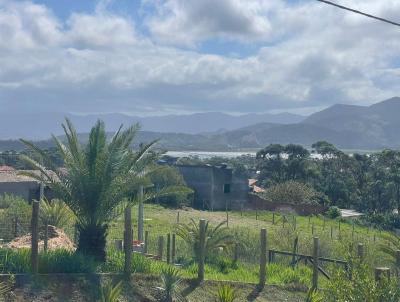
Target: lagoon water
x=208, y=154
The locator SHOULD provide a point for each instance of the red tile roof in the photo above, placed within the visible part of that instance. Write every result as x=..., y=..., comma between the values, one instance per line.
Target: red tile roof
x=6, y=169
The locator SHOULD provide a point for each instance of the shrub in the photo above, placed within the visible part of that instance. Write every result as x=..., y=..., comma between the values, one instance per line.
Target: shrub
x=333, y=212
x=110, y=292
x=294, y=192
x=15, y=261
x=171, y=280
x=14, y=208
x=63, y=261
x=361, y=286
x=226, y=293
x=57, y=261
x=115, y=262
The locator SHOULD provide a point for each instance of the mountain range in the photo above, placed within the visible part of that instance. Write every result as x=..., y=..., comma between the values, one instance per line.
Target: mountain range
x=347, y=126
x=40, y=125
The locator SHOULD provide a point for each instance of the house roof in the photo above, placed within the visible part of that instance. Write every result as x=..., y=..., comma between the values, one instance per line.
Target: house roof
x=6, y=168
x=14, y=176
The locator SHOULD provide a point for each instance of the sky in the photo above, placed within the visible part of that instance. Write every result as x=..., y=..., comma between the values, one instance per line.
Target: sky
x=156, y=57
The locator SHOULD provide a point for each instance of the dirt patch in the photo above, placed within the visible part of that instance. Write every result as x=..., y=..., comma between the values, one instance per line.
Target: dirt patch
x=57, y=239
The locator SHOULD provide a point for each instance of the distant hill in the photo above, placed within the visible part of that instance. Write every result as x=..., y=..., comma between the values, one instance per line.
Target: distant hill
x=40, y=126
x=375, y=126
x=348, y=127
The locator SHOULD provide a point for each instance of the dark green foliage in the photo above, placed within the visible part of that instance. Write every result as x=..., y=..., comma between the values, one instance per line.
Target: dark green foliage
x=369, y=183
x=63, y=261
x=387, y=221
x=333, y=212
x=92, y=239
x=171, y=279
x=57, y=261
x=167, y=176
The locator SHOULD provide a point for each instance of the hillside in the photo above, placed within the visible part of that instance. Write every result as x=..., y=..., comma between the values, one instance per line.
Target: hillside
x=348, y=127
x=40, y=126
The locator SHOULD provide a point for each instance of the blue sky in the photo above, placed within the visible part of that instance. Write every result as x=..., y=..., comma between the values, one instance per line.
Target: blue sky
x=148, y=57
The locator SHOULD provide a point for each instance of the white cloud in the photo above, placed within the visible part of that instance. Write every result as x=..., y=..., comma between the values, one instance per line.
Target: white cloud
x=187, y=22
x=313, y=55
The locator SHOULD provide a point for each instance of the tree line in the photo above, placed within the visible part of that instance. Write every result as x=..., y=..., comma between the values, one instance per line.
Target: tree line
x=366, y=182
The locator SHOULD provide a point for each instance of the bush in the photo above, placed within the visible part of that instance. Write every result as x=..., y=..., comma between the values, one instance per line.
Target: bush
x=294, y=192
x=333, y=212
x=387, y=221
x=167, y=176
x=63, y=261
x=57, y=261
x=14, y=208
x=226, y=293
x=361, y=286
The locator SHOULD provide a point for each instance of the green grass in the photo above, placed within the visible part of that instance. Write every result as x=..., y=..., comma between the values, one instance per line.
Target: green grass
x=160, y=221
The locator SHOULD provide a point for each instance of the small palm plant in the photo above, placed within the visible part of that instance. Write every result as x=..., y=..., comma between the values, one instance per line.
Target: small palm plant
x=171, y=279
x=55, y=213
x=110, y=292
x=313, y=296
x=226, y=293
x=5, y=290
x=215, y=238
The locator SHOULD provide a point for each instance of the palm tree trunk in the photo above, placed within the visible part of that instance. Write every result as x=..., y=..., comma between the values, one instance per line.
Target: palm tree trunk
x=92, y=241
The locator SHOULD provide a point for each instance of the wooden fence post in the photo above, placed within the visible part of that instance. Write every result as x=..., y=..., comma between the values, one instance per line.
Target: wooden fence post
x=46, y=236
x=140, y=215
x=15, y=227
x=35, y=237
x=273, y=218
x=146, y=242
x=256, y=214
x=118, y=244
x=236, y=252
x=168, y=248
x=331, y=232
x=360, y=251
x=160, y=249
x=380, y=272
x=227, y=214
x=315, y=263
x=177, y=217
x=397, y=263
x=173, y=248
x=202, y=256
x=128, y=239
x=263, y=258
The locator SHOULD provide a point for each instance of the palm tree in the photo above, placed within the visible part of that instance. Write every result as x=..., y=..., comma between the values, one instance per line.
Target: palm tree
x=216, y=237
x=95, y=178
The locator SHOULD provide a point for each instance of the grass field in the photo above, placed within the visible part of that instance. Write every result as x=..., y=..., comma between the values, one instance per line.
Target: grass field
x=335, y=238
